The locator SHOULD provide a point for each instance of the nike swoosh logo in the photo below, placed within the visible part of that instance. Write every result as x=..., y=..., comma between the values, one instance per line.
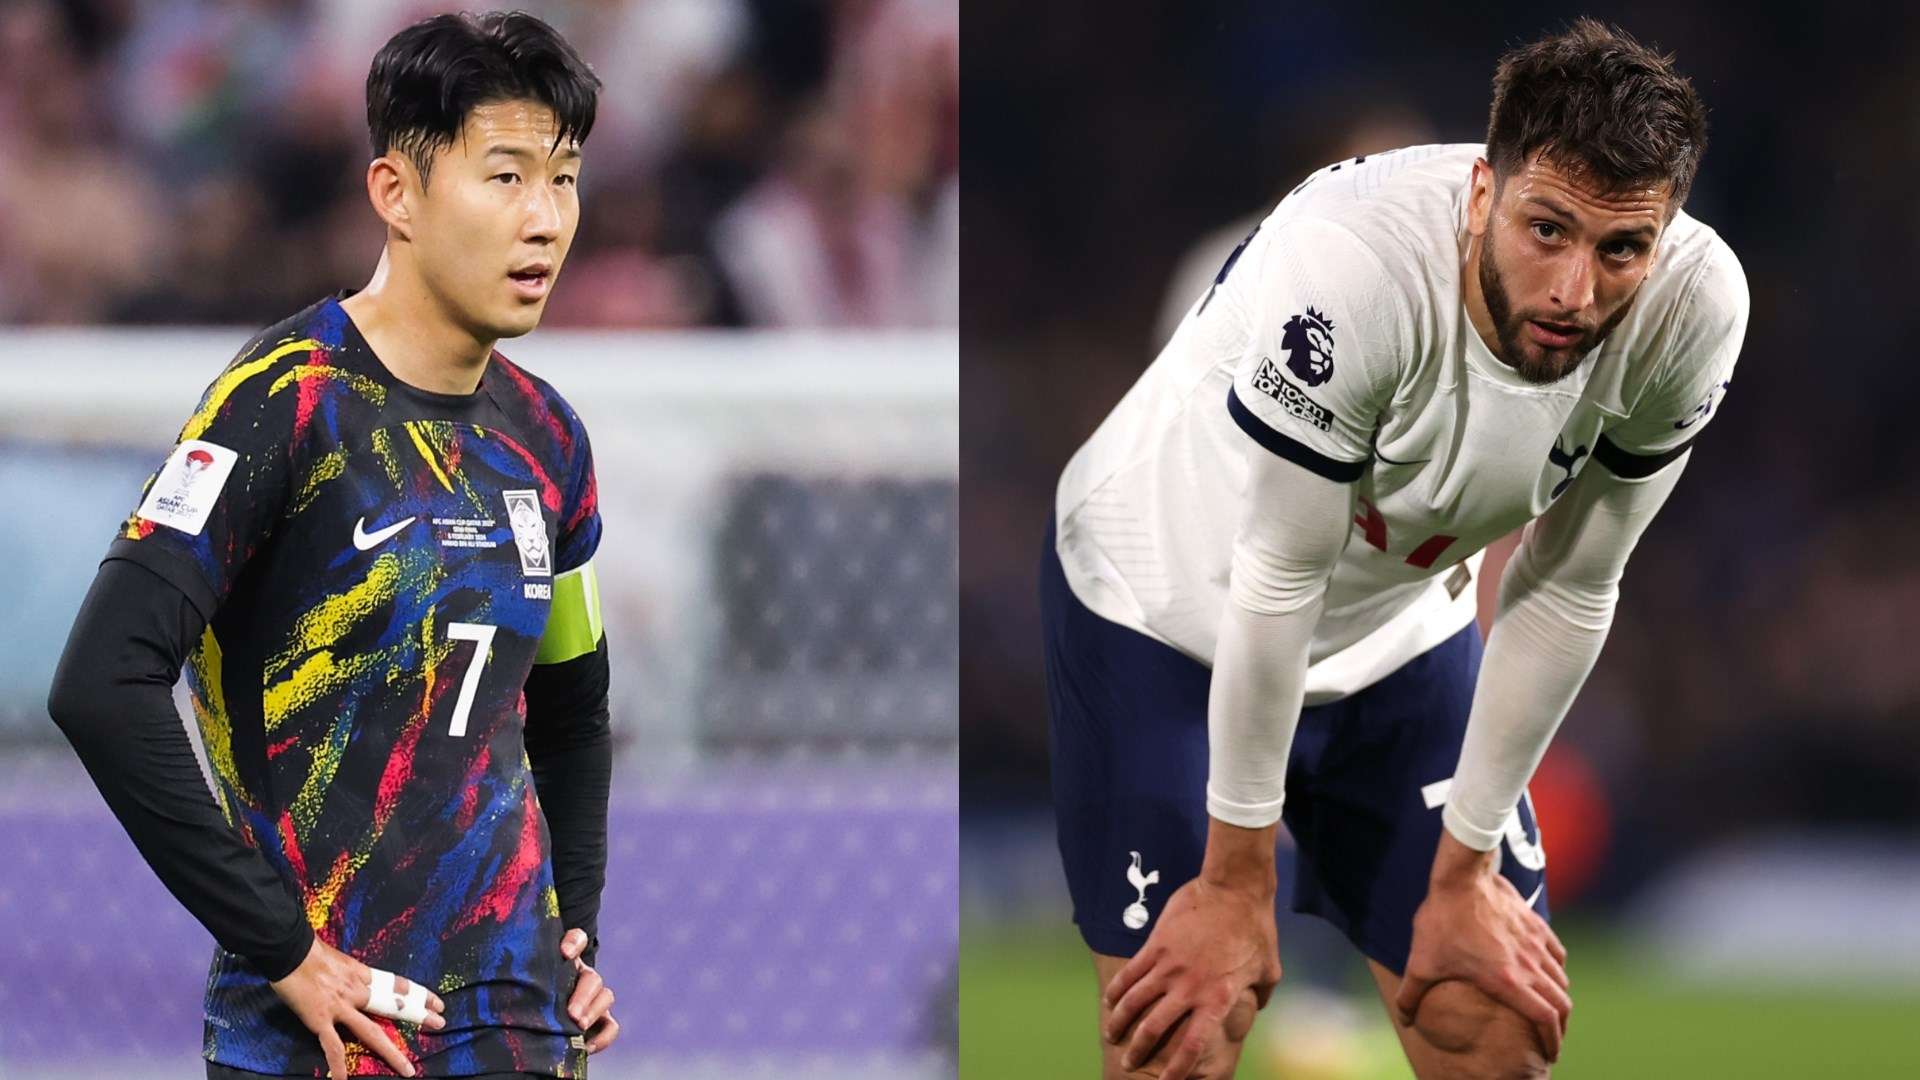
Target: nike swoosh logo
x=1536, y=892
x=366, y=541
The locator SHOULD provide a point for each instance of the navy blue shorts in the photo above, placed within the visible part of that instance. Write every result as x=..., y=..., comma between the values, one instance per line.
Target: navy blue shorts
x=1365, y=783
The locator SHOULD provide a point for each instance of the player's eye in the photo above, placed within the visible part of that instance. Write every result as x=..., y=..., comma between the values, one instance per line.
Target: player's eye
x=566, y=180
x=509, y=177
x=1621, y=250
x=1546, y=230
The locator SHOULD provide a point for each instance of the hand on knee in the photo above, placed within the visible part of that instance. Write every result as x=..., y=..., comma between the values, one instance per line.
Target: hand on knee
x=1240, y=1018
x=1218, y=1061
x=1477, y=1035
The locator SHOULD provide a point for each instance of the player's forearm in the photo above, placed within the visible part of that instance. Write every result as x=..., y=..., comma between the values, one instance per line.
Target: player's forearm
x=1454, y=863
x=573, y=786
x=1556, y=605
x=1253, y=708
x=1293, y=528
x=1241, y=858
x=570, y=745
x=112, y=697
x=1538, y=657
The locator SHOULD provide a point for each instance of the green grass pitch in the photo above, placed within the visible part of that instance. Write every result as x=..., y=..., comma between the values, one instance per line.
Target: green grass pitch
x=1027, y=1008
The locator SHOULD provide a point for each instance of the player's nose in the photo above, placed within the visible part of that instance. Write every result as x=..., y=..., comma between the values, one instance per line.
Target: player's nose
x=543, y=219
x=1573, y=284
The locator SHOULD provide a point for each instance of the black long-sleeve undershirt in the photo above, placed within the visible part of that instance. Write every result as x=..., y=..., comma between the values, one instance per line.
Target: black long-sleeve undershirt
x=570, y=745
x=113, y=697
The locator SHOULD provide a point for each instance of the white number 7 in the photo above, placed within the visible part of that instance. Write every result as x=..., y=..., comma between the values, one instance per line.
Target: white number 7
x=482, y=635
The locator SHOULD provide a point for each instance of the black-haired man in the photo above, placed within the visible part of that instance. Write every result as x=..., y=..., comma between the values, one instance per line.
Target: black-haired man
x=371, y=551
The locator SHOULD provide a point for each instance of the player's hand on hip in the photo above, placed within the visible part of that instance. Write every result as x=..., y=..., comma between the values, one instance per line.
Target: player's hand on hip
x=592, y=1003
x=332, y=990
x=1475, y=927
x=1211, y=944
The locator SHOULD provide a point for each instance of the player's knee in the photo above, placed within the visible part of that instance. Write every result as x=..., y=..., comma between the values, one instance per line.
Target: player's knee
x=1221, y=1058
x=1479, y=1036
x=1240, y=1018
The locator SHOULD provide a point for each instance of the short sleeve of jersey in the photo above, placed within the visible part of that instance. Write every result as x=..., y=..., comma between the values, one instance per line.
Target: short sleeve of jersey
x=1328, y=329
x=216, y=499
x=574, y=627
x=580, y=510
x=1686, y=394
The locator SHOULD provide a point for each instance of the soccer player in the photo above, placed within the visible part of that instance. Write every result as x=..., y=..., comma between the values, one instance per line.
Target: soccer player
x=372, y=551
x=1258, y=600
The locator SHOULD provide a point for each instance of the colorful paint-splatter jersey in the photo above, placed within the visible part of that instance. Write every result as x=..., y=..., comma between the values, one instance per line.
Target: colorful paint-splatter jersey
x=380, y=562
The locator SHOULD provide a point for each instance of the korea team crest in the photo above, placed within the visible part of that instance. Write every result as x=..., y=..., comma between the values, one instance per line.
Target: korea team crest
x=529, y=533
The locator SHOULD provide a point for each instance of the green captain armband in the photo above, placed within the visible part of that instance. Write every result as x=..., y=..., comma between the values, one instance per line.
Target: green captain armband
x=573, y=623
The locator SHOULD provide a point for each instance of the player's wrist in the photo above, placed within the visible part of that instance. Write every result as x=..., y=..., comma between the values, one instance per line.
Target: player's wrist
x=1455, y=864
x=290, y=955
x=1240, y=859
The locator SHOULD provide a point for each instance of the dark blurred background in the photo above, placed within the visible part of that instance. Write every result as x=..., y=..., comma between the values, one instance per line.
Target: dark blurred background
x=1759, y=689
x=756, y=162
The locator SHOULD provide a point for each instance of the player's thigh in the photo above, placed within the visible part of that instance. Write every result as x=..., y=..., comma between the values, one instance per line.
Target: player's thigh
x=1221, y=1058
x=1378, y=783
x=1127, y=737
x=1460, y=1033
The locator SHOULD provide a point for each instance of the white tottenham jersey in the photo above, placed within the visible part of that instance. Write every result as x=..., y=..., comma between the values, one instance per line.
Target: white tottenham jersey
x=1337, y=337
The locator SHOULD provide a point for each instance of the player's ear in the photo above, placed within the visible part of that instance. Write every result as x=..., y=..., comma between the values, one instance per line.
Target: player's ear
x=391, y=180
x=1480, y=198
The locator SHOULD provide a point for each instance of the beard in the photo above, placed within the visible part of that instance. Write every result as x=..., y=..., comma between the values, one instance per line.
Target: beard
x=1533, y=362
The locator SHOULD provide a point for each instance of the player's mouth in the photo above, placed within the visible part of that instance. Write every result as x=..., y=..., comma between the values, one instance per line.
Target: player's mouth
x=1553, y=335
x=533, y=280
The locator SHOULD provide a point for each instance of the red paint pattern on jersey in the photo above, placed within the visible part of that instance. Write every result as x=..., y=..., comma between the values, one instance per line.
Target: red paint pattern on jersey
x=308, y=396
x=294, y=859
x=549, y=493
x=497, y=903
x=470, y=793
x=588, y=505
x=536, y=403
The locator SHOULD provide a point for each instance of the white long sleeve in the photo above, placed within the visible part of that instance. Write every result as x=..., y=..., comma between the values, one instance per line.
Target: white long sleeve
x=1293, y=526
x=1556, y=604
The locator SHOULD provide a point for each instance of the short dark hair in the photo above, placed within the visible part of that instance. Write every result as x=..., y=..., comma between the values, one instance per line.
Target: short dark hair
x=428, y=77
x=1596, y=101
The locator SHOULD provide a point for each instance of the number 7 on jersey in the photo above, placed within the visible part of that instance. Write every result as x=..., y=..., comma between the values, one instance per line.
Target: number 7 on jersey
x=482, y=636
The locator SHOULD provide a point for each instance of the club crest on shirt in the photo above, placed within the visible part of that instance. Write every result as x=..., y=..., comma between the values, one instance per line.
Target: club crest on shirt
x=1704, y=409
x=529, y=532
x=1565, y=459
x=1268, y=380
x=1308, y=340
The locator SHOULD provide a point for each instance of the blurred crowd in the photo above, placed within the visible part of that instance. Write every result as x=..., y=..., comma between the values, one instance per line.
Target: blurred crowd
x=1759, y=674
x=772, y=163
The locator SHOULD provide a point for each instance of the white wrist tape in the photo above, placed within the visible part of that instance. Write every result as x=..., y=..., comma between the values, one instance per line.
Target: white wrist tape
x=384, y=1000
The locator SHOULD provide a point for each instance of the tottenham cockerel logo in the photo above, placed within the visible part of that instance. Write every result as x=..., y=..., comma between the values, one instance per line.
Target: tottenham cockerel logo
x=1569, y=461
x=1136, y=914
x=1308, y=341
